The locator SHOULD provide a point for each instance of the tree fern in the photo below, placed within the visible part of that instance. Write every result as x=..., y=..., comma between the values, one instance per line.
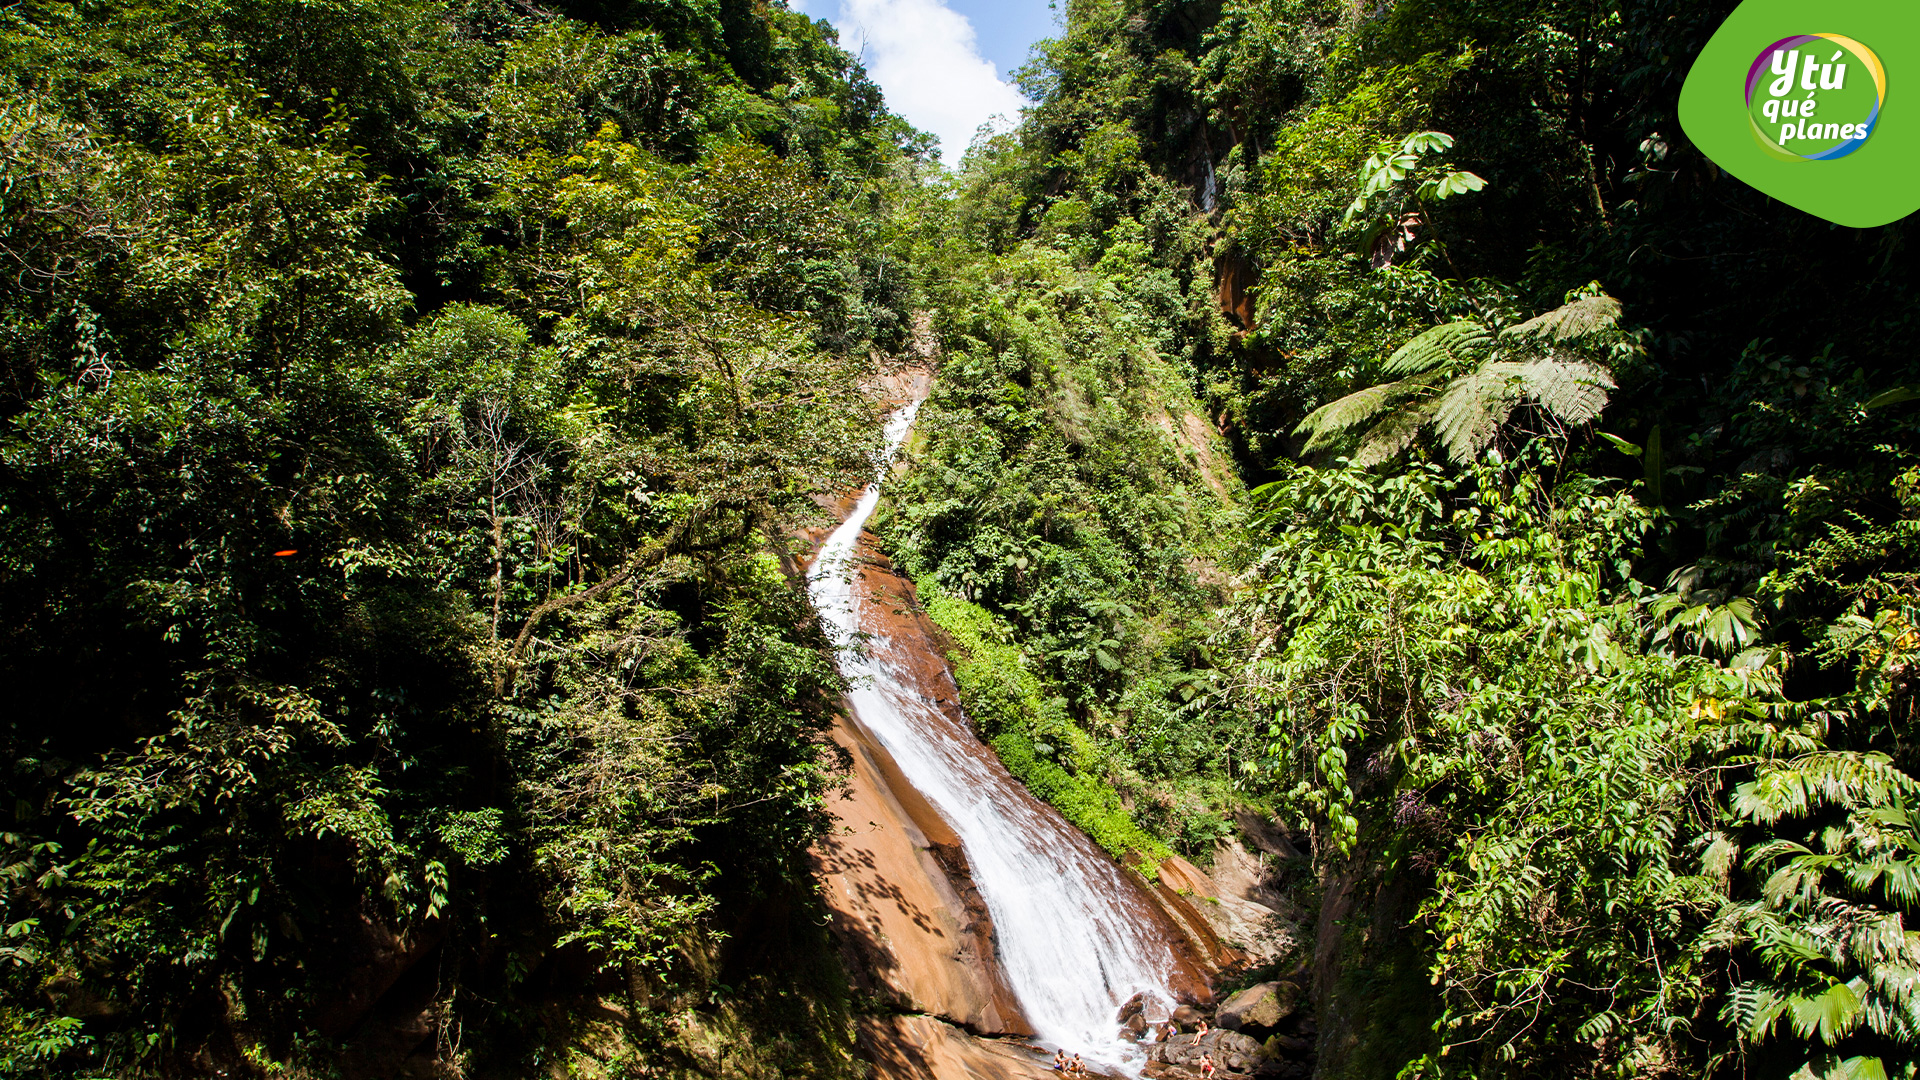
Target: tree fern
x=1327, y=422
x=1452, y=342
x=1585, y=317
x=1394, y=433
x=1472, y=408
x=1572, y=390
x=1464, y=382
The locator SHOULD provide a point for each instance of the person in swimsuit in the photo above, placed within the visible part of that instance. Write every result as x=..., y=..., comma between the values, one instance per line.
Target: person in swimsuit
x=1059, y=1061
x=1201, y=1033
x=1079, y=1067
x=1206, y=1065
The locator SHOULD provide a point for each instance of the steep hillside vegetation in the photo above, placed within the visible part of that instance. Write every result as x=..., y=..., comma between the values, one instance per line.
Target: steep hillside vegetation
x=1573, y=619
x=405, y=404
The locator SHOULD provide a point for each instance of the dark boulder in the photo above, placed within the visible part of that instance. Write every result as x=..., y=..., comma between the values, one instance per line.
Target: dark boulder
x=1258, y=1010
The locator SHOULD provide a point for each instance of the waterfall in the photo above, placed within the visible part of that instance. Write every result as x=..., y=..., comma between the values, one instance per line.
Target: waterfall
x=1075, y=938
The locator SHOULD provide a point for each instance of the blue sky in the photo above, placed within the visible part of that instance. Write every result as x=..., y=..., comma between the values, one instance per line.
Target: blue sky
x=1005, y=28
x=945, y=65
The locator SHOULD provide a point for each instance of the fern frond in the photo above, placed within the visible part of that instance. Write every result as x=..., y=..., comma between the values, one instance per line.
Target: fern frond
x=1473, y=407
x=1329, y=420
x=1456, y=341
x=1385, y=440
x=1571, y=390
x=1585, y=316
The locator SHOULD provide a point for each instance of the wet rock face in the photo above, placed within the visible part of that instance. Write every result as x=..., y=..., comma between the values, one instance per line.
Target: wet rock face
x=1258, y=1010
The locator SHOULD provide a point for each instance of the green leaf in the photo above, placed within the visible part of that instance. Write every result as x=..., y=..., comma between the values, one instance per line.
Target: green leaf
x=1326, y=422
x=1831, y=1014
x=1892, y=397
x=1622, y=445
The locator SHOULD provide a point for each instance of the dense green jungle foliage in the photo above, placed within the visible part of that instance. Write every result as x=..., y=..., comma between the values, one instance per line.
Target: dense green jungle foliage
x=406, y=405
x=1572, y=611
x=1373, y=413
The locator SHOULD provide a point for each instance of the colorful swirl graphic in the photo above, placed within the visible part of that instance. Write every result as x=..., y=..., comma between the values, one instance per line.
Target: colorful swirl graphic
x=1860, y=52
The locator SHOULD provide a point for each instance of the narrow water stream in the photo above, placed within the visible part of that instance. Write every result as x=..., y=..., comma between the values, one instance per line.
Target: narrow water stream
x=1075, y=938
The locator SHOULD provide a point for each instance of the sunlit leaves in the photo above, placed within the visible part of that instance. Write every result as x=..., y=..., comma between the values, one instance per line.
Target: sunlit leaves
x=1490, y=722
x=418, y=299
x=1469, y=383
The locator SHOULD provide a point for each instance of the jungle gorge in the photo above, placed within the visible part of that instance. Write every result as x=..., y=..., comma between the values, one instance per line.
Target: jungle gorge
x=1436, y=553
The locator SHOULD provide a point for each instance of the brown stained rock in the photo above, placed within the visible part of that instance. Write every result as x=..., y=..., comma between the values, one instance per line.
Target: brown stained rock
x=900, y=900
x=1231, y=913
x=924, y=1048
x=1211, y=955
x=1234, y=278
x=1182, y=876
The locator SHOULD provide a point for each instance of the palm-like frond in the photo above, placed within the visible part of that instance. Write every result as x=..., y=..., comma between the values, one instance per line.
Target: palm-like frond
x=1835, y=777
x=1455, y=341
x=1585, y=316
x=1831, y=1013
x=1329, y=420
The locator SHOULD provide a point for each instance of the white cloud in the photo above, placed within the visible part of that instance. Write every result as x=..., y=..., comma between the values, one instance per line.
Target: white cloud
x=923, y=55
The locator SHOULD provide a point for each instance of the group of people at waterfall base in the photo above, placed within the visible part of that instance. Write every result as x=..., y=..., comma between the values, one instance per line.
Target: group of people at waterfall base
x=1073, y=1066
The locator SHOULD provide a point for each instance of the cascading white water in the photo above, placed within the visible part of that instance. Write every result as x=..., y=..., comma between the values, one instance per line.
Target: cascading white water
x=1075, y=939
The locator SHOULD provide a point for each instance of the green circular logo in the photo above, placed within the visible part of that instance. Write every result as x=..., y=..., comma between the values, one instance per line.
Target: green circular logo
x=1814, y=97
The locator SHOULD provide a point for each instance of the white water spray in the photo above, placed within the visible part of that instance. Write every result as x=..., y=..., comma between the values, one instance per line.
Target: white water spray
x=1075, y=938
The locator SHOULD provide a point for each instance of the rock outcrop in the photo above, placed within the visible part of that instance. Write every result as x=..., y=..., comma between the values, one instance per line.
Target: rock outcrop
x=1242, y=920
x=1233, y=1054
x=1258, y=1010
x=927, y=1048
